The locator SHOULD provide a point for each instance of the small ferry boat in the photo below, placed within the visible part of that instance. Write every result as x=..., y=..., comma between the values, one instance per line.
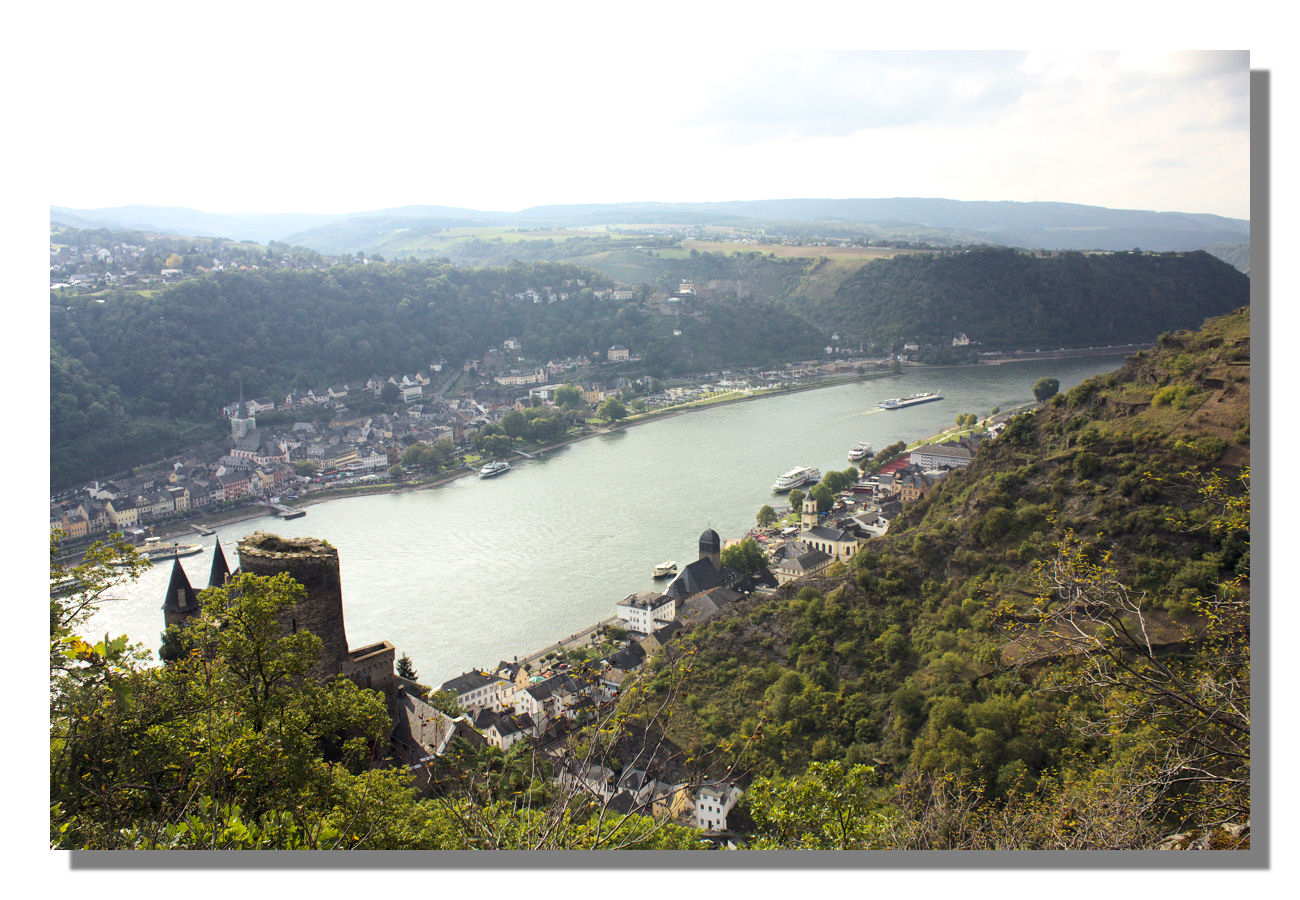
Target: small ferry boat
x=797, y=478
x=664, y=569
x=156, y=551
x=860, y=451
x=494, y=468
x=902, y=402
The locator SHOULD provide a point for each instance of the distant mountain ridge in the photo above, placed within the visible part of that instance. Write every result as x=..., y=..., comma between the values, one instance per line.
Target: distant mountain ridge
x=1034, y=225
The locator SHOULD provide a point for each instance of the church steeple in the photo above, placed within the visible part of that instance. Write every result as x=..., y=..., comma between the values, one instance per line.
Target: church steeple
x=241, y=423
x=220, y=569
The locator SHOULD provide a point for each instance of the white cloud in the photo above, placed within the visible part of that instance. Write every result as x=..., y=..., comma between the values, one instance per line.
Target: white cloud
x=332, y=109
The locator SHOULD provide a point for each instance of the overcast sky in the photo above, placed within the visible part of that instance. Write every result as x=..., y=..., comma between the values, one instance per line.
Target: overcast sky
x=268, y=107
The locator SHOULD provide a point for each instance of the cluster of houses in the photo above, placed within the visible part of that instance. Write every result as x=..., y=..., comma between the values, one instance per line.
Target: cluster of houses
x=97, y=261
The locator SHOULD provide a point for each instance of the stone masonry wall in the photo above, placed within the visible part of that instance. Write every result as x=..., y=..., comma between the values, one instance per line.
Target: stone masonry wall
x=315, y=565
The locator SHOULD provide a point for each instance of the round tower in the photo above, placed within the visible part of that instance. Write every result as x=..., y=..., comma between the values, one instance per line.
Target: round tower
x=315, y=565
x=711, y=548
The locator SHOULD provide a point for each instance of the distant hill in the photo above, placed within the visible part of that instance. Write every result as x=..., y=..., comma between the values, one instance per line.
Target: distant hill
x=1003, y=298
x=1045, y=225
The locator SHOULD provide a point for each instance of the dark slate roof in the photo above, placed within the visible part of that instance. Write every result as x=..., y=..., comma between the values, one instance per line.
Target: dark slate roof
x=698, y=576
x=628, y=658
x=421, y=726
x=220, y=569
x=177, y=589
x=710, y=542
x=830, y=534
x=468, y=682
x=505, y=725
x=806, y=561
x=665, y=634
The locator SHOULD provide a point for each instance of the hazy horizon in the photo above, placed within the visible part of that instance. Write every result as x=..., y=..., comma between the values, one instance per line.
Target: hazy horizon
x=507, y=210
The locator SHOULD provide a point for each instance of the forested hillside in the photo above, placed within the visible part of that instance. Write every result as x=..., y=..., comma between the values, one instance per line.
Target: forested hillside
x=157, y=365
x=1003, y=298
x=1051, y=649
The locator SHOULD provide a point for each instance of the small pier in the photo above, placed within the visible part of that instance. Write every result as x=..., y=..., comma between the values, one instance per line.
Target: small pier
x=285, y=512
x=203, y=530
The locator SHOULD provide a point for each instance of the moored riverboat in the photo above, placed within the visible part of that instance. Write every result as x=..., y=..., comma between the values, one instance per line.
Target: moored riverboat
x=860, y=451
x=665, y=569
x=797, y=477
x=156, y=551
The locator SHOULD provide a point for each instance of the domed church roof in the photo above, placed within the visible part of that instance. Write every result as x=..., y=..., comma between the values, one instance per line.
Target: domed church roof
x=710, y=542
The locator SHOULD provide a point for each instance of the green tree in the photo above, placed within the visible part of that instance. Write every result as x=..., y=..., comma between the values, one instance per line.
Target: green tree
x=612, y=409
x=796, y=499
x=766, y=516
x=390, y=393
x=406, y=668
x=514, y=424
x=1045, y=387
x=824, y=496
x=746, y=557
x=568, y=397
x=841, y=481
x=831, y=807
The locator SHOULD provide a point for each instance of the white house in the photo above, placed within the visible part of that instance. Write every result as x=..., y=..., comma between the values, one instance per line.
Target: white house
x=473, y=690
x=646, y=611
x=712, y=803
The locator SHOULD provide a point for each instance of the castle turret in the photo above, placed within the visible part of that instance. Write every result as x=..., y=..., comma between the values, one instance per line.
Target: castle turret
x=181, y=603
x=315, y=565
x=220, y=573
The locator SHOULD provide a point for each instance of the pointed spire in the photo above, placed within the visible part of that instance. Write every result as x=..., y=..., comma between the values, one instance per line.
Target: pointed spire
x=220, y=569
x=180, y=599
x=243, y=407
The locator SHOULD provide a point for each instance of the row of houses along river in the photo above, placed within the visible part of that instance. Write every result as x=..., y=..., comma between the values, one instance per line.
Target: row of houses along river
x=476, y=571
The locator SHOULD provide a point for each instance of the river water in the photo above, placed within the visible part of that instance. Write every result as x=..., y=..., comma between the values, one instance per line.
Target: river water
x=476, y=571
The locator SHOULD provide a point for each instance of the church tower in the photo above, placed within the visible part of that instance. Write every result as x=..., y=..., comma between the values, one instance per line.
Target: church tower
x=711, y=548
x=808, y=517
x=241, y=423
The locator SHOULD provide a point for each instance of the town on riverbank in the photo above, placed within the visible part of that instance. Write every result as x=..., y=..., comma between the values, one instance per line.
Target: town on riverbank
x=408, y=432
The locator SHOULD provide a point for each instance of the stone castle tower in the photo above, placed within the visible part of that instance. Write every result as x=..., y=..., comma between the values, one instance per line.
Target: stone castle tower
x=315, y=565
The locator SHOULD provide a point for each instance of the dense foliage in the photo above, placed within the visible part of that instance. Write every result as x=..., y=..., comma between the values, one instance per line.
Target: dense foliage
x=153, y=365
x=955, y=656
x=1007, y=299
x=232, y=745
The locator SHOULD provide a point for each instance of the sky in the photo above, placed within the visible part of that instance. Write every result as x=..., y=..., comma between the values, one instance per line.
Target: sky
x=269, y=108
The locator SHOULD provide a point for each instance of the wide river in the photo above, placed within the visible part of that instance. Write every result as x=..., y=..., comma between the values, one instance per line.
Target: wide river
x=475, y=571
